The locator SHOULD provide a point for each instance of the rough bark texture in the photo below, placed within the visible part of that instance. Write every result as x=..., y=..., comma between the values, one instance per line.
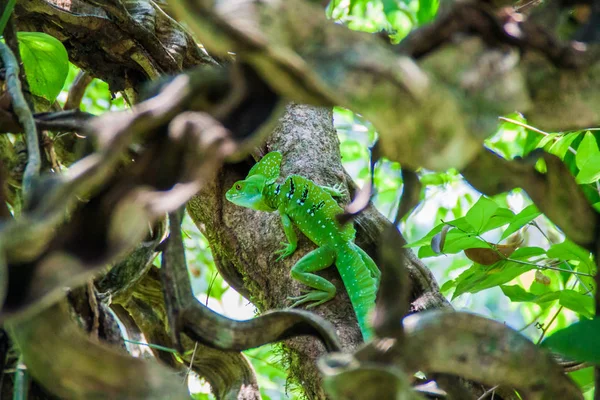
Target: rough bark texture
x=243, y=241
x=127, y=43
x=121, y=43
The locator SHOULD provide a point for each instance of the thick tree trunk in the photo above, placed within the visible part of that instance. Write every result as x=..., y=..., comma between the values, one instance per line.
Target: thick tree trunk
x=243, y=241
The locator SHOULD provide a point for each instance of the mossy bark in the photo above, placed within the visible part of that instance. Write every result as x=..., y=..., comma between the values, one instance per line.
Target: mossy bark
x=243, y=241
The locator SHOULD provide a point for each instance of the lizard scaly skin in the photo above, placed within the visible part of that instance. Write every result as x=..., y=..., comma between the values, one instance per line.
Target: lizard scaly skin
x=313, y=210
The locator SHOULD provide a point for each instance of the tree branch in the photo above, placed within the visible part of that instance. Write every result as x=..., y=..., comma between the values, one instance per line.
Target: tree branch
x=24, y=115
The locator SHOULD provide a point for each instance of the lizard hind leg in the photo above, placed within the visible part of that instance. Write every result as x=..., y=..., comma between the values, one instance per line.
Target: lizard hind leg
x=302, y=271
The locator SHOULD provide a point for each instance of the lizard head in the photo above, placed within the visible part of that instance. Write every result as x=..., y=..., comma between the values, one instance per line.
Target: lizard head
x=248, y=193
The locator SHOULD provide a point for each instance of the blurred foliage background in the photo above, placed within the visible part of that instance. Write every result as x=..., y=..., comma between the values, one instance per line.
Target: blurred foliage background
x=549, y=292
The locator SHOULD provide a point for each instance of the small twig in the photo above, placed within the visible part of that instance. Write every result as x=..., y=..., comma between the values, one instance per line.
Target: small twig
x=524, y=125
x=191, y=362
x=533, y=321
x=152, y=346
x=537, y=226
x=524, y=7
x=547, y=326
x=572, y=367
x=93, y=302
x=531, y=128
x=411, y=191
x=12, y=41
x=21, y=384
x=61, y=121
x=363, y=195
x=24, y=115
x=491, y=391
x=77, y=90
x=210, y=286
x=548, y=267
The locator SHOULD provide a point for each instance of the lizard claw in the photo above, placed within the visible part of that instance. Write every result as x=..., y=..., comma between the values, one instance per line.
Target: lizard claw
x=286, y=251
x=316, y=297
x=336, y=190
x=338, y=187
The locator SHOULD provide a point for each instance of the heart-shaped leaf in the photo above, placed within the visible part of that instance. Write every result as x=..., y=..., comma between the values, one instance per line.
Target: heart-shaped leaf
x=46, y=63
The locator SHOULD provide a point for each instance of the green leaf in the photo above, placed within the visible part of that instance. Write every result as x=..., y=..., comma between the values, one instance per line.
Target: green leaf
x=437, y=178
x=456, y=241
x=577, y=302
x=427, y=10
x=539, y=289
x=389, y=6
x=46, y=63
x=481, y=212
x=478, y=277
x=501, y=217
x=352, y=150
x=548, y=139
x=584, y=378
x=527, y=252
x=432, y=179
x=526, y=215
x=568, y=250
x=532, y=141
x=460, y=223
x=561, y=146
x=590, y=170
x=517, y=294
x=579, y=341
x=546, y=297
x=447, y=286
x=587, y=148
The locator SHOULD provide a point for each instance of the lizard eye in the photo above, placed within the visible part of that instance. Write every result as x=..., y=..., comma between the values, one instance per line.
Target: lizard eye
x=238, y=187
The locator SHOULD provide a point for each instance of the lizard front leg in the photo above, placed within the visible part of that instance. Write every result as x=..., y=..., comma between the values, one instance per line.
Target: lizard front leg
x=302, y=271
x=290, y=234
x=334, y=191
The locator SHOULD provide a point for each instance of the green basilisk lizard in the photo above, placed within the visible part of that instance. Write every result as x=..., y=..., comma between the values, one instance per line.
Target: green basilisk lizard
x=313, y=210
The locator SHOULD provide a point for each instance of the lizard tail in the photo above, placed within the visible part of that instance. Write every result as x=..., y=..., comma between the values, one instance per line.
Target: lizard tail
x=360, y=285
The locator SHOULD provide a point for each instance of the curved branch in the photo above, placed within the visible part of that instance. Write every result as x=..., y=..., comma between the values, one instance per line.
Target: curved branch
x=243, y=241
x=229, y=373
x=206, y=326
x=77, y=90
x=105, y=46
x=187, y=315
x=45, y=251
x=24, y=115
x=454, y=94
x=482, y=350
x=53, y=347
